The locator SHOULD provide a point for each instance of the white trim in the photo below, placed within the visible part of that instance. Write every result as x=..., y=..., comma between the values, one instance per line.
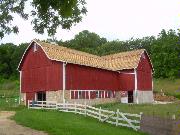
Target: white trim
x=64, y=80
x=36, y=96
x=127, y=73
x=136, y=81
x=89, y=94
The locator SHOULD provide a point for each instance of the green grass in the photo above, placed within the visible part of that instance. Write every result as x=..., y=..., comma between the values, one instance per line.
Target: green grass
x=162, y=110
x=61, y=123
x=169, y=87
x=9, y=104
x=9, y=94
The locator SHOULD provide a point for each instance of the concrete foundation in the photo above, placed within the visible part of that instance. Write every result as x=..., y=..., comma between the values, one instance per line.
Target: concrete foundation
x=144, y=96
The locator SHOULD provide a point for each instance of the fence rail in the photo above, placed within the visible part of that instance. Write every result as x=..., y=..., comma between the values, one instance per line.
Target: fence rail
x=113, y=117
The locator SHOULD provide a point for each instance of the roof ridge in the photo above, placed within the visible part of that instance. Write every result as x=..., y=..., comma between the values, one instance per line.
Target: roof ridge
x=69, y=49
x=120, y=53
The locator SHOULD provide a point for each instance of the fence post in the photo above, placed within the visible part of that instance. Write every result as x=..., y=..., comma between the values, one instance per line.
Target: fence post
x=141, y=113
x=28, y=104
x=85, y=111
x=117, y=117
x=56, y=105
x=100, y=114
x=173, y=116
x=41, y=104
x=75, y=108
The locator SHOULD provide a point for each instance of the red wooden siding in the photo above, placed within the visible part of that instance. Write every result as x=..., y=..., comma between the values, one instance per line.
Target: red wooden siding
x=39, y=73
x=127, y=80
x=144, y=73
x=87, y=78
x=30, y=96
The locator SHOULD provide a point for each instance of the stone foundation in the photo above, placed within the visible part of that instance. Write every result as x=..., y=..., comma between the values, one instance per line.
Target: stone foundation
x=92, y=101
x=54, y=96
x=145, y=96
x=58, y=97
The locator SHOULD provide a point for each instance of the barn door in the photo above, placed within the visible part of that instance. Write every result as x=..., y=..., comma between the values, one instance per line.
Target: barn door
x=130, y=96
x=41, y=96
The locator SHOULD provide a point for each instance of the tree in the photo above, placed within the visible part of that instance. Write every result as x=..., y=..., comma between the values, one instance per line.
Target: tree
x=165, y=55
x=85, y=41
x=47, y=14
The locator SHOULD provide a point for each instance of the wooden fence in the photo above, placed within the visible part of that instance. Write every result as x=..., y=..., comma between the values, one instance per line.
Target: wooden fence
x=113, y=117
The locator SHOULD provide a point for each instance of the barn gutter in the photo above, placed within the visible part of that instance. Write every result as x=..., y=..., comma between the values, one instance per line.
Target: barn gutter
x=64, y=80
x=20, y=89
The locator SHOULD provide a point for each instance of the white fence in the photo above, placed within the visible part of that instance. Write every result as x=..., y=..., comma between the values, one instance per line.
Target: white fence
x=117, y=118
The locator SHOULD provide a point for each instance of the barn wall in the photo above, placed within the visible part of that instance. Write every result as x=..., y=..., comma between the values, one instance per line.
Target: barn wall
x=39, y=73
x=127, y=80
x=144, y=74
x=87, y=78
x=29, y=96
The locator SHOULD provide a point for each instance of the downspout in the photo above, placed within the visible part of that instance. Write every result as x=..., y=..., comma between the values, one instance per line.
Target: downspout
x=64, y=80
x=20, y=86
x=135, y=90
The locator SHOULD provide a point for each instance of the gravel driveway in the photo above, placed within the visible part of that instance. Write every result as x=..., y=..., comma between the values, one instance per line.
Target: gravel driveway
x=10, y=127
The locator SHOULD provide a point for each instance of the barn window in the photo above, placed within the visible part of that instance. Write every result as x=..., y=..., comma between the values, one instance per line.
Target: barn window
x=97, y=94
x=41, y=96
x=80, y=95
x=35, y=47
x=110, y=94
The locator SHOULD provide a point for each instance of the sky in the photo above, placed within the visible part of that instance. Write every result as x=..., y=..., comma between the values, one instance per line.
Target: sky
x=112, y=19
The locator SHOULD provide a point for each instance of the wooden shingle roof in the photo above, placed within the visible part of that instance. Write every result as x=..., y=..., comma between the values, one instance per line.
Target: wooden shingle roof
x=114, y=62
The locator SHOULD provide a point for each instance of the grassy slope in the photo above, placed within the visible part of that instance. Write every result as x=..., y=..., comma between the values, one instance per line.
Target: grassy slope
x=59, y=123
x=148, y=109
x=170, y=87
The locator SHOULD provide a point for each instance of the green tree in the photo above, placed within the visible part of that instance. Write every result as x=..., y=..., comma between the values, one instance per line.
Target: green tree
x=47, y=14
x=165, y=55
x=85, y=41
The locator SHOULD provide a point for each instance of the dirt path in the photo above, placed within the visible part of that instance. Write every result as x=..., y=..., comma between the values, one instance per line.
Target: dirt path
x=10, y=127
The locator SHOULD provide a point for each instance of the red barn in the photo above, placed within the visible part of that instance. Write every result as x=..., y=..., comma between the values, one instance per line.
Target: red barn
x=55, y=73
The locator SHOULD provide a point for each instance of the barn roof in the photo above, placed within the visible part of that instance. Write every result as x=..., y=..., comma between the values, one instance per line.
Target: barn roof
x=114, y=62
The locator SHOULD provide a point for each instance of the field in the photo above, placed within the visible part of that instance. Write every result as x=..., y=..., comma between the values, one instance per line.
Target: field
x=169, y=87
x=9, y=94
x=57, y=123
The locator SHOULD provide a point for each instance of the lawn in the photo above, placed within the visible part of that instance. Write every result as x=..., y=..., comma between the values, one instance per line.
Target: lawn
x=61, y=123
x=163, y=110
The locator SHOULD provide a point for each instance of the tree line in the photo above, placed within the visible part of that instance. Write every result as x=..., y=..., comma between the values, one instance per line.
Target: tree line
x=164, y=51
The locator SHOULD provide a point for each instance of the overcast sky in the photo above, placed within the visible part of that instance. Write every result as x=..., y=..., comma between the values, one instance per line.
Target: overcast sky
x=113, y=19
